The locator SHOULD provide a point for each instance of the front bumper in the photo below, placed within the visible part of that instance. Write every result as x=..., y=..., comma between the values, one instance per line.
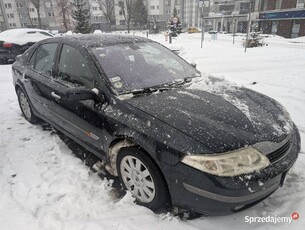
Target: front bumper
x=200, y=192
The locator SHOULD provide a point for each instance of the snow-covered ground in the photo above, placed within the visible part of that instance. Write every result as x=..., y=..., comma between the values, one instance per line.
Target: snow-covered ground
x=44, y=186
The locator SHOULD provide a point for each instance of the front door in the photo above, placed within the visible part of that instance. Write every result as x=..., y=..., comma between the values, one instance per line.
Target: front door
x=80, y=118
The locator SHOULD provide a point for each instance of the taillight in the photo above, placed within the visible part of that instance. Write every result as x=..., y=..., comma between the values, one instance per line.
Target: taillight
x=7, y=45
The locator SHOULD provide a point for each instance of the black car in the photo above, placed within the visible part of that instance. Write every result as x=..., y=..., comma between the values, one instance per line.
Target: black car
x=172, y=136
x=15, y=41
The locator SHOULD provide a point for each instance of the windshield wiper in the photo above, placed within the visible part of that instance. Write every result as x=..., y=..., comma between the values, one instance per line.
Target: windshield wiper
x=179, y=82
x=163, y=87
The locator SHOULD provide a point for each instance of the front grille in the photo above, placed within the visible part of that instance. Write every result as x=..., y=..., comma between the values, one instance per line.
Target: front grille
x=279, y=153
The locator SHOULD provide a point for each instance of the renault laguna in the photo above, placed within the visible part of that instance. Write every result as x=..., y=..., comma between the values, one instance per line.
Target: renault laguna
x=173, y=136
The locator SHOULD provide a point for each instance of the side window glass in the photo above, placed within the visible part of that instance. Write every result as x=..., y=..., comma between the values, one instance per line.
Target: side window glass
x=32, y=59
x=44, y=60
x=73, y=67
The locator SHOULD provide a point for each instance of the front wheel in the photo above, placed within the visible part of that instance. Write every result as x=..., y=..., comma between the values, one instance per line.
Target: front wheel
x=139, y=174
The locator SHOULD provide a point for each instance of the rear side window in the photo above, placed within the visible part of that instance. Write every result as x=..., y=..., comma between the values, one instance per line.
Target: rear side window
x=73, y=67
x=43, y=59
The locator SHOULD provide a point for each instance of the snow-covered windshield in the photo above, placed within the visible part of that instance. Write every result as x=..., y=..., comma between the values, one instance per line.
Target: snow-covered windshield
x=136, y=66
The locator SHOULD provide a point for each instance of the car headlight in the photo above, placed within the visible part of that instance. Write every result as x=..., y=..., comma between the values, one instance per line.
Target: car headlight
x=242, y=161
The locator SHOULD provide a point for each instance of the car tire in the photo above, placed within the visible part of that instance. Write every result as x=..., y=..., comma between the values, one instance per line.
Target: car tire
x=3, y=61
x=139, y=174
x=25, y=107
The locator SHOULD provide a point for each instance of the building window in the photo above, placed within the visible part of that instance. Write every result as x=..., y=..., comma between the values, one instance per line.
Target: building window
x=96, y=17
x=278, y=4
x=167, y=3
x=32, y=10
x=152, y=7
x=121, y=4
x=274, y=27
x=122, y=22
x=300, y=4
x=20, y=15
x=94, y=8
x=12, y=25
x=23, y=25
x=51, y=14
x=19, y=5
x=8, y=5
x=295, y=29
x=157, y=7
x=10, y=16
x=120, y=12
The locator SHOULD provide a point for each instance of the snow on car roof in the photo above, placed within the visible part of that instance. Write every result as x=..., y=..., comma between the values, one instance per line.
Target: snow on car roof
x=24, y=35
x=92, y=40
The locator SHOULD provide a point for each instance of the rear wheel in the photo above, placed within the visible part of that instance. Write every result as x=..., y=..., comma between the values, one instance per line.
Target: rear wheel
x=139, y=174
x=25, y=107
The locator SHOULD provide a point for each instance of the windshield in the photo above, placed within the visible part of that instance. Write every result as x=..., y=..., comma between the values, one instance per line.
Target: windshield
x=136, y=66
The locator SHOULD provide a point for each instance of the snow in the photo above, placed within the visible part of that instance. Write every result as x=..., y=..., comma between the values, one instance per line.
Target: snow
x=43, y=185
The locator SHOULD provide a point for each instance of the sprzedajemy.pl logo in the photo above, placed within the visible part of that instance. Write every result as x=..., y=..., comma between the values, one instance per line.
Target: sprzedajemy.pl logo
x=272, y=219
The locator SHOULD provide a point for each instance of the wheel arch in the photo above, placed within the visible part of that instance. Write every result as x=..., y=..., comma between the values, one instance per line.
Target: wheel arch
x=126, y=141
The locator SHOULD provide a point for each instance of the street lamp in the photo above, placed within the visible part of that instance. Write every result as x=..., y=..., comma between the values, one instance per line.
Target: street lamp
x=201, y=5
x=249, y=24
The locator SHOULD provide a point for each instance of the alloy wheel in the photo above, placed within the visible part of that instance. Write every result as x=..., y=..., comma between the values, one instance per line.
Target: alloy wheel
x=137, y=179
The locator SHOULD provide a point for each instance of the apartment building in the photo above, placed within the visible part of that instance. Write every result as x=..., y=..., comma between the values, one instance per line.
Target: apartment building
x=22, y=13
x=191, y=13
x=282, y=17
x=2, y=18
x=161, y=11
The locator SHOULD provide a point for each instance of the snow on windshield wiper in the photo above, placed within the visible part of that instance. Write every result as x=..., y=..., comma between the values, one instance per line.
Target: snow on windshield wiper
x=179, y=82
x=162, y=87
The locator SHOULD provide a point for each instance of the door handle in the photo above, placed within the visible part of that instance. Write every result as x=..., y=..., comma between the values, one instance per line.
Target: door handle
x=26, y=78
x=53, y=94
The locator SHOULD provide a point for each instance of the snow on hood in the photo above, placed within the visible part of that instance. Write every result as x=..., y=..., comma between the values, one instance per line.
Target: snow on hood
x=24, y=36
x=234, y=95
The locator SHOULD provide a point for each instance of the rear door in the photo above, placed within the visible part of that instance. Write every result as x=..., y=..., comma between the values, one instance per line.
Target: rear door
x=38, y=81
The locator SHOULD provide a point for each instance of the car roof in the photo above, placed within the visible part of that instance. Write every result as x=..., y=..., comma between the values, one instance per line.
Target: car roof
x=98, y=40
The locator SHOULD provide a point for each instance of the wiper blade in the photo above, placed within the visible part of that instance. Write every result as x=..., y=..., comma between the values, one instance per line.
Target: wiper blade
x=179, y=82
x=163, y=87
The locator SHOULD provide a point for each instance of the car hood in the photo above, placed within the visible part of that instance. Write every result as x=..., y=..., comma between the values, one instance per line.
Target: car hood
x=220, y=116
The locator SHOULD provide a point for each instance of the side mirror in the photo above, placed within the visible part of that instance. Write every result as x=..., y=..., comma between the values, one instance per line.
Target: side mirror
x=194, y=64
x=176, y=51
x=79, y=94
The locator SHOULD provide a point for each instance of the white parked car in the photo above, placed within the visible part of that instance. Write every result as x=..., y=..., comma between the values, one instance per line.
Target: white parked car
x=15, y=41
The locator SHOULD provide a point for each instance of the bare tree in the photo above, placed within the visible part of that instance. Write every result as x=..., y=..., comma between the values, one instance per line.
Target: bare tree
x=37, y=4
x=64, y=11
x=126, y=8
x=107, y=7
